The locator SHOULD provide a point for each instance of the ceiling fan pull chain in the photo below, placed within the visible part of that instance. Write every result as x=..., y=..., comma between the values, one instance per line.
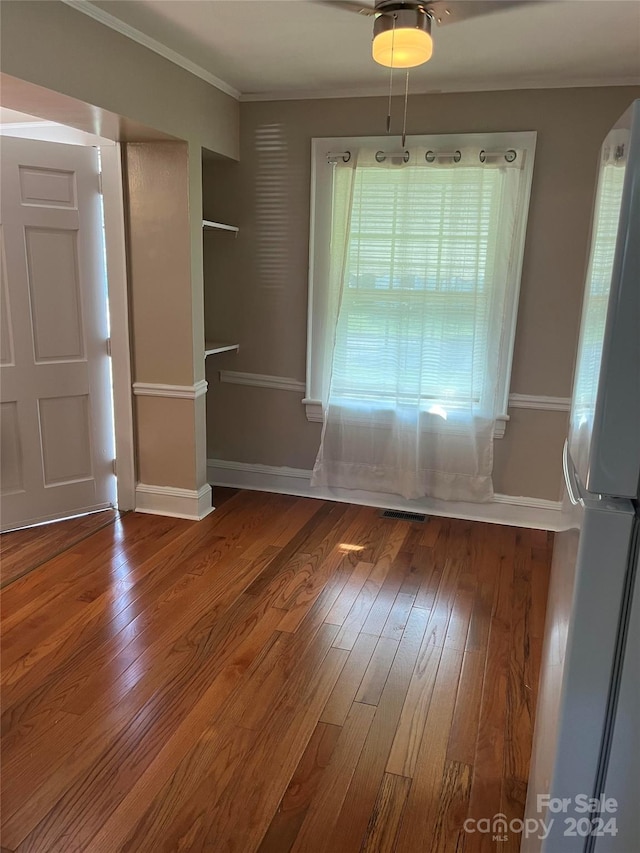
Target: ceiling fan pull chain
x=406, y=99
x=393, y=38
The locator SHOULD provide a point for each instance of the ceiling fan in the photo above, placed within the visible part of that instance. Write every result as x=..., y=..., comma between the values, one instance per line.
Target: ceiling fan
x=402, y=30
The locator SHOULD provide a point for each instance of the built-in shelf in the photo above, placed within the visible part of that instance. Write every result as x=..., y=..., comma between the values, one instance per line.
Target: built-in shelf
x=208, y=225
x=213, y=347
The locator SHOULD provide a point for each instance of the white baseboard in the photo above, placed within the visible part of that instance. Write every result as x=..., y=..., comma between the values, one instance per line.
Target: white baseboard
x=178, y=503
x=514, y=511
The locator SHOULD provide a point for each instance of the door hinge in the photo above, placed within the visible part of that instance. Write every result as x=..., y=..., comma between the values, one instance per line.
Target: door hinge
x=100, y=182
x=114, y=466
x=107, y=344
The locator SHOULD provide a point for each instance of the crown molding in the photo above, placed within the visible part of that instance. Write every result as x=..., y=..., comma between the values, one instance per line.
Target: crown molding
x=109, y=20
x=452, y=88
x=138, y=36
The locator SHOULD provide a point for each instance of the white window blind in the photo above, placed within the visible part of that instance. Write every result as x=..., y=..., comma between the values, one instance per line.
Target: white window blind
x=606, y=217
x=425, y=275
x=431, y=266
x=598, y=284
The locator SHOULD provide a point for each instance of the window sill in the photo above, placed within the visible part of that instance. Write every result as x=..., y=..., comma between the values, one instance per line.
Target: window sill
x=315, y=415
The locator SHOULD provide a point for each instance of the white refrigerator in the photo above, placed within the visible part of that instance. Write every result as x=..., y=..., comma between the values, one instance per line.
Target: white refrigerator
x=584, y=785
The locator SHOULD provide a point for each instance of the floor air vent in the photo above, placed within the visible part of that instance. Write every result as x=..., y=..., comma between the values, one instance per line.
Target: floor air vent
x=403, y=516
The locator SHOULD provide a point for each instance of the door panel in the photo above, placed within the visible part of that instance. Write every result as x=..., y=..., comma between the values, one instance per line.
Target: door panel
x=57, y=433
x=64, y=431
x=11, y=474
x=48, y=187
x=54, y=293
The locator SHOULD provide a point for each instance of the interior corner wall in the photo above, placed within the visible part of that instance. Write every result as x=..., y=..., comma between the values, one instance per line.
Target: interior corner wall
x=162, y=314
x=157, y=176
x=197, y=311
x=256, y=286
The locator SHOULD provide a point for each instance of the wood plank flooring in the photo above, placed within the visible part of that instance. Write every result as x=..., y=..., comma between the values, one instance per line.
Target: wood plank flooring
x=286, y=675
x=23, y=550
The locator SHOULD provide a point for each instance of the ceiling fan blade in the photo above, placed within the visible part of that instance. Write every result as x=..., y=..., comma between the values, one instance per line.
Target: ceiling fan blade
x=443, y=11
x=459, y=10
x=348, y=6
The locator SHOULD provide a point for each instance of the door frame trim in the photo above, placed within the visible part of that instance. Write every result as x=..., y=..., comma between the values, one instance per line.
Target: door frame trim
x=116, y=254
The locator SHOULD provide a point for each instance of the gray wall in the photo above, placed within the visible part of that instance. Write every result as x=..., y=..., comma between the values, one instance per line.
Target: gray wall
x=256, y=286
x=54, y=46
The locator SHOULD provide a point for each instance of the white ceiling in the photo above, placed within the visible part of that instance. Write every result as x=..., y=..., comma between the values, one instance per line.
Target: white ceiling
x=288, y=47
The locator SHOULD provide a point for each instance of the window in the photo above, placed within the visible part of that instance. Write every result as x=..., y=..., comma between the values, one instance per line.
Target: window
x=606, y=218
x=430, y=242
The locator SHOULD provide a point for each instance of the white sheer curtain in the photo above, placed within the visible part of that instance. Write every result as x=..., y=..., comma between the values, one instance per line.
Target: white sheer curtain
x=421, y=263
x=606, y=219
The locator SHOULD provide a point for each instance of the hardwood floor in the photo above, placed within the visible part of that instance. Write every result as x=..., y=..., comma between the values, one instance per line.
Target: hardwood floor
x=286, y=675
x=23, y=550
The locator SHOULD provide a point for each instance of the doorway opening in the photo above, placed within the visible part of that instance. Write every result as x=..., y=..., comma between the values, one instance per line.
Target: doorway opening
x=109, y=433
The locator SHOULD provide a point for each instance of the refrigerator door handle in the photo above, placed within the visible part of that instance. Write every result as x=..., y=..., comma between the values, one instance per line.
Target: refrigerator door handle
x=570, y=477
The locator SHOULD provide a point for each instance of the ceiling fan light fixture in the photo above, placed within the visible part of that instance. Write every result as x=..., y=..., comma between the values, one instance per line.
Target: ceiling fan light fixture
x=402, y=39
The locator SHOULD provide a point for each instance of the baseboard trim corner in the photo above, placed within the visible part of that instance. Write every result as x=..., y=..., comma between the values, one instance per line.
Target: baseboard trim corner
x=191, y=504
x=536, y=513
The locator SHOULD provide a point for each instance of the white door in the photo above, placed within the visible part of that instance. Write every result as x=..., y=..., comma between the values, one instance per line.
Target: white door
x=56, y=428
